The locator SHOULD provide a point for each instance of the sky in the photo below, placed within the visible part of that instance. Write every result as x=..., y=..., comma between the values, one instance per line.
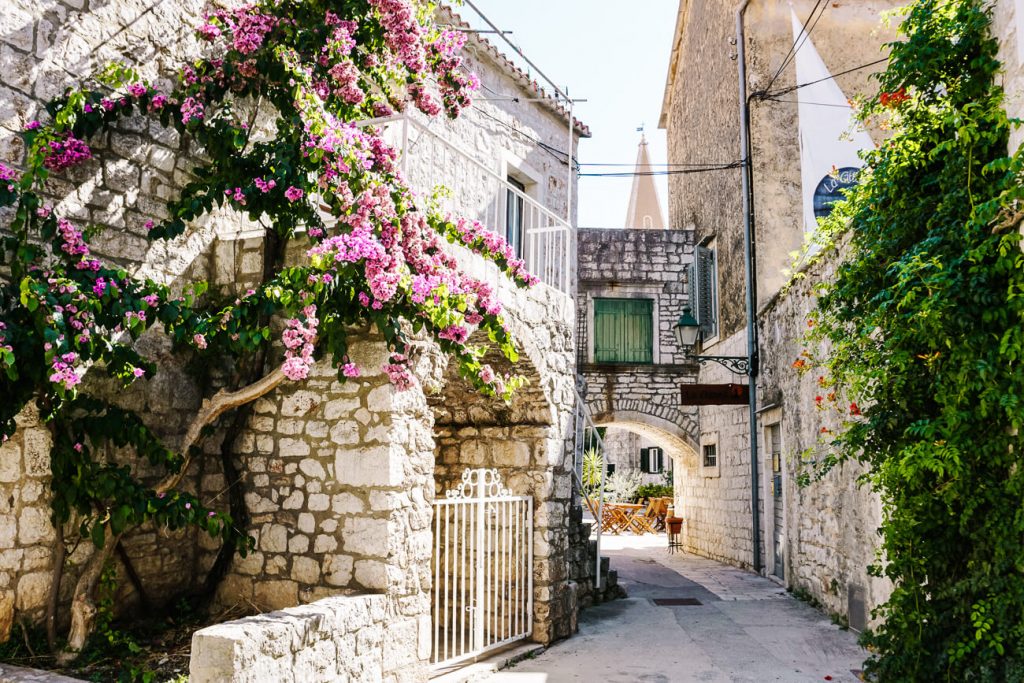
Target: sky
x=614, y=55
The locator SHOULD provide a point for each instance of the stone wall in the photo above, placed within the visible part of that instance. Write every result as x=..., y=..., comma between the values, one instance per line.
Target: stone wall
x=26, y=533
x=830, y=525
x=701, y=115
x=338, y=477
x=828, y=534
x=45, y=47
x=643, y=398
x=335, y=639
x=1007, y=26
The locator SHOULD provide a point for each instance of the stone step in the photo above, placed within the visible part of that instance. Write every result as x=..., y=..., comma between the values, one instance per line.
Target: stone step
x=612, y=579
x=605, y=564
x=486, y=668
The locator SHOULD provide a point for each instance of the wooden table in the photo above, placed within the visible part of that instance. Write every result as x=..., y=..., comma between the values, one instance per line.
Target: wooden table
x=619, y=517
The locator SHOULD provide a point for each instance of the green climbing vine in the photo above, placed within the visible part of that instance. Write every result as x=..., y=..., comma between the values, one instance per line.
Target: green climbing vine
x=924, y=326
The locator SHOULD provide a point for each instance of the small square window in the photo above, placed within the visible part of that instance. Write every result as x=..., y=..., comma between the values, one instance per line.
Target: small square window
x=710, y=455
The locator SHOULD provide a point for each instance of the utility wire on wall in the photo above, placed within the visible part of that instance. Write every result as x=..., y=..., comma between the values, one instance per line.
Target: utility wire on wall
x=786, y=91
x=805, y=34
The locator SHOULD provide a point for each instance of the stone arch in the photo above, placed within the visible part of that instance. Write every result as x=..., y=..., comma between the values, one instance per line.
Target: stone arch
x=526, y=441
x=658, y=421
x=667, y=434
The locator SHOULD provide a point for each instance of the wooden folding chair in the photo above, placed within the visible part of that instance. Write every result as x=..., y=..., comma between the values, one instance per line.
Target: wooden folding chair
x=642, y=521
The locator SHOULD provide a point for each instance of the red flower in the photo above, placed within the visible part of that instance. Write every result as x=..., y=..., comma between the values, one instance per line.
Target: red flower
x=854, y=409
x=818, y=399
x=893, y=99
x=799, y=364
x=825, y=430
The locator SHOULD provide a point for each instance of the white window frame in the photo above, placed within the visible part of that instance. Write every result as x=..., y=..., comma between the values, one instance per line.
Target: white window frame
x=710, y=439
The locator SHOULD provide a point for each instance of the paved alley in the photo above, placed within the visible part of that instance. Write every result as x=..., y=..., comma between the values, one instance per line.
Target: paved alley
x=746, y=628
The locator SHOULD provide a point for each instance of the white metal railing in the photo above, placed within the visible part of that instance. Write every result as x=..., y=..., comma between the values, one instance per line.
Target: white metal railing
x=473, y=189
x=483, y=568
x=584, y=432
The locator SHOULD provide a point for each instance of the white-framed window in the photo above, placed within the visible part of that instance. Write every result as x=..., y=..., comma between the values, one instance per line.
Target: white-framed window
x=514, y=211
x=710, y=457
x=652, y=460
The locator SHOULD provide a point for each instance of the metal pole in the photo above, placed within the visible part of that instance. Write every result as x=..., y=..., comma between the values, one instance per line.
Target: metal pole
x=517, y=50
x=600, y=510
x=750, y=270
x=571, y=246
x=479, y=613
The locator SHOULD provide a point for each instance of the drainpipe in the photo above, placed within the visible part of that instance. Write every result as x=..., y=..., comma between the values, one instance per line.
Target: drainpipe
x=750, y=270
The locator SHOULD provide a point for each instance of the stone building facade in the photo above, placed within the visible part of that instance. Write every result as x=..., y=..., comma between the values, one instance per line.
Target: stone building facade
x=637, y=400
x=818, y=539
x=338, y=479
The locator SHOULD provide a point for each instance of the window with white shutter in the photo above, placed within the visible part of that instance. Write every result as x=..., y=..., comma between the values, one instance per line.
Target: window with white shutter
x=652, y=460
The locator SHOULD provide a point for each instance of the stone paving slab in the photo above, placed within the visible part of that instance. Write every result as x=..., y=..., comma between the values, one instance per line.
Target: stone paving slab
x=747, y=629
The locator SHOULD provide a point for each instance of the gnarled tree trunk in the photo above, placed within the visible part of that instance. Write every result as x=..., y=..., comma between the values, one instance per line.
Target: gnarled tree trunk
x=83, y=607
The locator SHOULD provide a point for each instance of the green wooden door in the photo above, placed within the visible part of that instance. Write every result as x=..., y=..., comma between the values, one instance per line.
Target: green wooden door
x=623, y=330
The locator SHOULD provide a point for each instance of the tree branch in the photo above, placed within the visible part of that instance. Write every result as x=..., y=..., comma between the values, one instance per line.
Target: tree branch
x=83, y=611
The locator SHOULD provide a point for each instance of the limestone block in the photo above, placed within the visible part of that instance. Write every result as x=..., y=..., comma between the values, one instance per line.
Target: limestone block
x=371, y=574
x=37, y=453
x=305, y=570
x=276, y=594
x=312, y=468
x=10, y=463
x=34, y=526
x=341, y=407
x=325, y=544
x=293, y=501
x=345, y=433
x=6, y=614
x=379, y=466
x=426, y=630
x=338, y=569
x=292, y=448
x=274, y=538
x=345, y=504
x=8, y=533
x=319, y=502
x=32, y=591
x=298, y=544
x=401, y=643
x=365, y=536
x=306, y=523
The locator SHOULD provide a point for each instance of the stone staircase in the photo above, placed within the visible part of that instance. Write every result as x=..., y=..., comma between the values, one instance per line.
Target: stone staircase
x=582, y=561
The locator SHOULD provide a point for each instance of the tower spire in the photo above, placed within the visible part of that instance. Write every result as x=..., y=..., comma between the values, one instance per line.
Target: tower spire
x=644, y=210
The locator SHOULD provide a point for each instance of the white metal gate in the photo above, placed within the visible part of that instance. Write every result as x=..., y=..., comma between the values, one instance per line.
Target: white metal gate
x=483, y=568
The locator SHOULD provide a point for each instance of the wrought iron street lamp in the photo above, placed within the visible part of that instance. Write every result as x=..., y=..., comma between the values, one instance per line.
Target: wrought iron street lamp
x=687, y=329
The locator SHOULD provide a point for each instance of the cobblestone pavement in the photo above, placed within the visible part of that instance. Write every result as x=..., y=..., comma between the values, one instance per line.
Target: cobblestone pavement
x=745, y=629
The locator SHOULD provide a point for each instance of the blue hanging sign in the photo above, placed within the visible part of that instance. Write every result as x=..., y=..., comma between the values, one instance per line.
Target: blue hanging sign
x=829, y=190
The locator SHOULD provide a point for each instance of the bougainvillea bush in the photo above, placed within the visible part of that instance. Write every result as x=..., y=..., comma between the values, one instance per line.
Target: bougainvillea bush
x=925, y=329
x=371, y=251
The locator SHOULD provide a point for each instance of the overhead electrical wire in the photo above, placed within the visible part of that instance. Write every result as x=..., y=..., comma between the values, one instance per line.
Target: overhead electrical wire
x=682, y=171
x=793, y=88
x=798, y=43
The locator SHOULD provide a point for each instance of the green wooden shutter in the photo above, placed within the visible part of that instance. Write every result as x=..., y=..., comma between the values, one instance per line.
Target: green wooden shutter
x=704, y=286
x=645, y=460
x=623, y=330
